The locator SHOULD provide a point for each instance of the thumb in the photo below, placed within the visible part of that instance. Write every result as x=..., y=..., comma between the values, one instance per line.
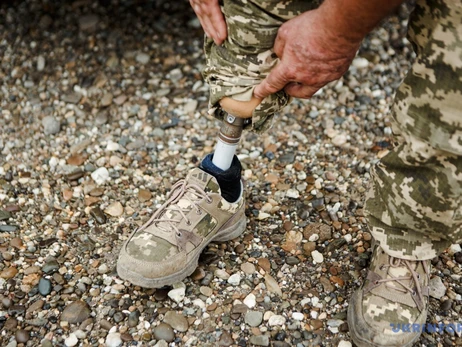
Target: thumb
x=273, y=83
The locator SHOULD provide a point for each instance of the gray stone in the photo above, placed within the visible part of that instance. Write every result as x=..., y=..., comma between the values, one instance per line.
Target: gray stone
x=259, y=340
x=437, y=288
x=51, y=125
x=142, y=58
x=176, y=320
x=253, y=318
x=44, y=286
x=164, y=332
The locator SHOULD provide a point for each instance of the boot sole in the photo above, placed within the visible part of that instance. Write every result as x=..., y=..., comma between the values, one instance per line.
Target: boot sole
x=356, y=321
x=226, y=233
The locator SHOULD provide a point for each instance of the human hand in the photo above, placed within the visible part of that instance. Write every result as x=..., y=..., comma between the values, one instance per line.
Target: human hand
x=211, y=19
x=311, y=55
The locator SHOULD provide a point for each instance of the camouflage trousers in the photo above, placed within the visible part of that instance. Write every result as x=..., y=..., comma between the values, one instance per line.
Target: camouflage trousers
x=414, y=204
x=246, y=57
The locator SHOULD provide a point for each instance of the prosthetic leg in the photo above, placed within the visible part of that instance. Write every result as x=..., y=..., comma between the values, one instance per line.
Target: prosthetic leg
x=223, y=164
x=231, y=130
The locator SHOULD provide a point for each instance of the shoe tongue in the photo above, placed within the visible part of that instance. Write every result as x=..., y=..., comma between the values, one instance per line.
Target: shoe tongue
x=204, y=180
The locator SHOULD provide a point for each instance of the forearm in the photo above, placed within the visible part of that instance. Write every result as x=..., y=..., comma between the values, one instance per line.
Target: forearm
x=352, y=19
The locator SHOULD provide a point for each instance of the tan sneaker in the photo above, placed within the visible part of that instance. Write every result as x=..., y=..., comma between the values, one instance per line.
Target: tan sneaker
x=166, y=249
x=394, y=296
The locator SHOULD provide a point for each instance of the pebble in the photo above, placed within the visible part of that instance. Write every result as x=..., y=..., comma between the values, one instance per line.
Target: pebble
x=22, y=336
x=177, y=321
x=113, y=340
x=250, y=300
x=76, y=312
x=177, y=294
x=44, y=286
x=344, y=343
x=164, y=332
x=259, y=340
x=71, y=340
x=276, y=320
x=234, y=279
x=100, y=176
x=272, y=285
x=248, y=268
x=51, y=125
x=437, y=288
x=207, y=291
x=318, y=258
x=253, y=318
x=298, y=316
x=115, y=209
x=142, y=58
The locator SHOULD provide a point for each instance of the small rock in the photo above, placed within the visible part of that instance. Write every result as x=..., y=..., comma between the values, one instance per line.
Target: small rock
x=317, y=257
x=22, y=336
x=76, y=312
x=164, y=332
x=44, y=286
x=88, y=22
x=437, y=288
x=360, y=63
x=253, y=318
x=276, y=320
x=106, y=100
x=51, y=125
x=176, y=320
x=259, y=340
x=98, y=214
x=115, y=209
x=250, y=300
x=248, y=268
x=234, y=279
x=272, y=285
x=177, y=294
x=142, y=58
x=144, y=195
x=100, y=176
x=71, y=340
x=8, y=273
x=113, y=340
x=40, y=63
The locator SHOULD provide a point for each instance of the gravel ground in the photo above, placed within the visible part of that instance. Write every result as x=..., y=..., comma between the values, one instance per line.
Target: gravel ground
x=103, y=109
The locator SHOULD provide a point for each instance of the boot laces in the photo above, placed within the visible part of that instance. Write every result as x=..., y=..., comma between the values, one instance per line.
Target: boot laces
x=192, y=193
x=414, y=278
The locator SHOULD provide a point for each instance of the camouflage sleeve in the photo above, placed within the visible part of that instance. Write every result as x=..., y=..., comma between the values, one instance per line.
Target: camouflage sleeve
x=415, y=205
x=246, y=57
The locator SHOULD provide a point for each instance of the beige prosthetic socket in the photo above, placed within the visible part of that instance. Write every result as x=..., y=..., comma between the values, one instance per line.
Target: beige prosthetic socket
x=231, y=129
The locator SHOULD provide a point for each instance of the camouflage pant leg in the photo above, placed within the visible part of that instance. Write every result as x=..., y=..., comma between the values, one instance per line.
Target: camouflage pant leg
x=414, y=205
x=246, y=57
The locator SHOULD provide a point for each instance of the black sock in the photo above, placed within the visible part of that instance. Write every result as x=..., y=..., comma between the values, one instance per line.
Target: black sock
x=228, y=180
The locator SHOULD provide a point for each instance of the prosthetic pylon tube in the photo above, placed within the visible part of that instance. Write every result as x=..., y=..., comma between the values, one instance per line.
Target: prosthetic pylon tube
x=228, y=138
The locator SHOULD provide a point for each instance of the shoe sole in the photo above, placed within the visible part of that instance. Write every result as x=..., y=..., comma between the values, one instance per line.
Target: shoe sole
x=354, y=323
x=226, y=233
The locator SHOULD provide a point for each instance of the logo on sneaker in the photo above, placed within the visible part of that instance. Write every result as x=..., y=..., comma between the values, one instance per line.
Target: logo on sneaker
x=430, y=328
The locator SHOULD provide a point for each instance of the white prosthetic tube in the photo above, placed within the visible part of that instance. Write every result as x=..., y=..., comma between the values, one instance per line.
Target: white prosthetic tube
x=228, y=139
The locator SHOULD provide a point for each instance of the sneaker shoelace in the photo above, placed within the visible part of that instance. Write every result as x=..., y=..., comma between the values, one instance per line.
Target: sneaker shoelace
x=192, y=193
x=414, y=277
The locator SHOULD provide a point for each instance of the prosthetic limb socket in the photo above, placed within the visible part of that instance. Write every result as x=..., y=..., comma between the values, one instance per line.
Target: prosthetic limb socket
x=228, y=139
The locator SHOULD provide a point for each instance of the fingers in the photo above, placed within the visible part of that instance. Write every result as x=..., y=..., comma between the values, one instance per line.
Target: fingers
x=275, y=81
x=211, y=18
x=301, y=91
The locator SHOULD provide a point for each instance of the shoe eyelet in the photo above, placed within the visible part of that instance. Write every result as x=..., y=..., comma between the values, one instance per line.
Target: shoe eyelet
x=381, y=267
x=414, y=293
x=209, y=200
x=188, y=222
x=376, y=282
x=178, y=234
x=199, y=212
x=418, y=276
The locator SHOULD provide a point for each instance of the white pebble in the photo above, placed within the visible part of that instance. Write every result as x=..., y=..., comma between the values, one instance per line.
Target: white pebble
x=71, y=340
x=313, y=238
x=112, y=146
x=276, y=320
x=292, y=193
x=298, y=315
x=177, y=294
x=344, y=343
x=360, y=63
x=250, y=300
x=317, y=257
x=100, y=176
x=113, y=340
x=455, y=248
x=234, y=279
x=348, y=238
